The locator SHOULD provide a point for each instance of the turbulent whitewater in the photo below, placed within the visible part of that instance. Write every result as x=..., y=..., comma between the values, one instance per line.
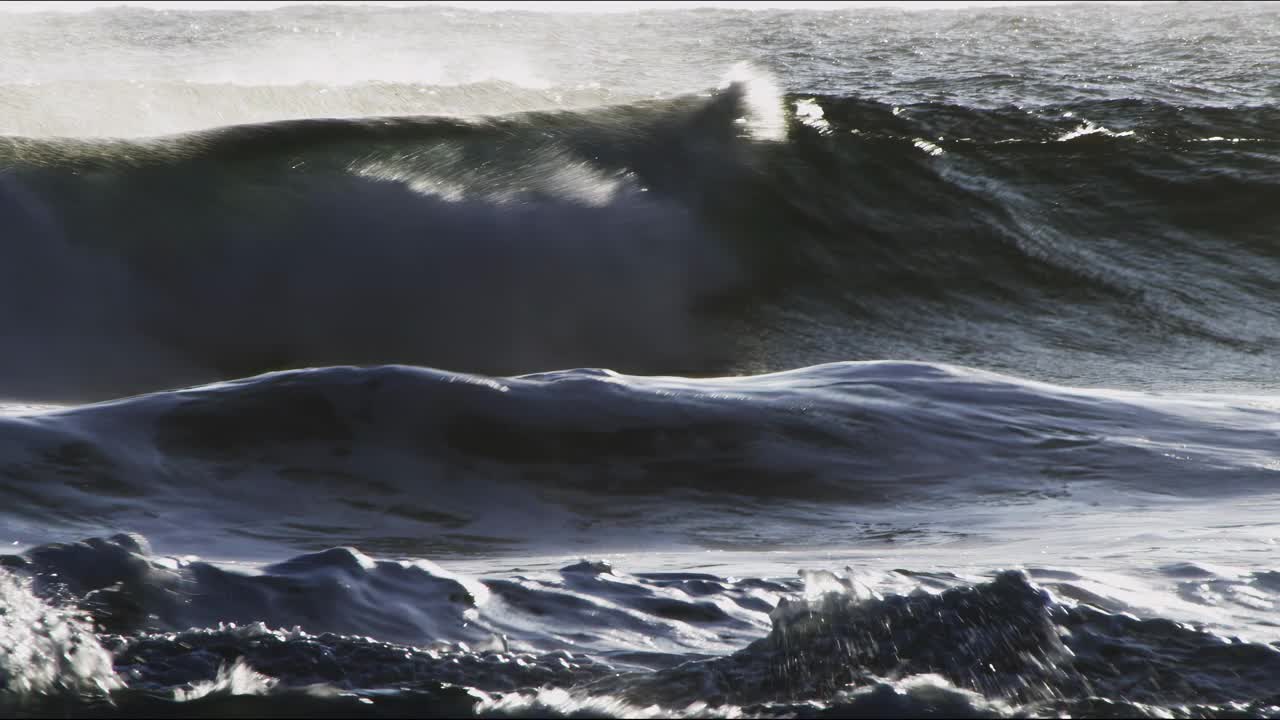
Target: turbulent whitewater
x=434, y=362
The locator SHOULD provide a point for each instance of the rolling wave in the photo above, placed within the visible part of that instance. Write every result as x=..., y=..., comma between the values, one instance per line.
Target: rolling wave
x=522, y=243
x=1074, y=243
x=741, y=231
x=400, y=457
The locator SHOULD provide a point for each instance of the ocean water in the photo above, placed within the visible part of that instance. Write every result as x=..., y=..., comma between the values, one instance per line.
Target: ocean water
x=432, y=361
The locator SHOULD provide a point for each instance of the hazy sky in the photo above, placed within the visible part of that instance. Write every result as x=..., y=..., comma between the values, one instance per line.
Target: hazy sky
x=544, y=5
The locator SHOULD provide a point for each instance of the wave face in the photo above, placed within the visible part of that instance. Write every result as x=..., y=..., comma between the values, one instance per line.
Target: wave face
x=498, y=245
x=1066, y=241
x=663, y=237
x=743, y=230
x=429, y=362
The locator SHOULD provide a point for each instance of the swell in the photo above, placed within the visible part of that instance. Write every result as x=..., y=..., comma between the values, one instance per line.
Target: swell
x=1093, y=228
x=400, y=457
x=1073, y=243
x=504, y=244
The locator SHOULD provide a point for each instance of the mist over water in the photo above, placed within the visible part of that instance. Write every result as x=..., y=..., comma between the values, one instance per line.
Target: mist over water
x=782, y=363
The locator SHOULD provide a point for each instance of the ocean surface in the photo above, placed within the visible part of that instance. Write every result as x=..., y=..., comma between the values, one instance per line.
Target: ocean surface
x=426, y=361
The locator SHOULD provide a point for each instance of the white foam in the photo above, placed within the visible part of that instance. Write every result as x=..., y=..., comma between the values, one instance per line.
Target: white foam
x=1089, y=128
x=762, y=100
x=239, y=679
x=928, y=147
x=566, y=703
x=46, y=650
x=810, y=113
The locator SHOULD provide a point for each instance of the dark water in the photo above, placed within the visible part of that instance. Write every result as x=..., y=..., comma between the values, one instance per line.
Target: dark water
x=939, y=345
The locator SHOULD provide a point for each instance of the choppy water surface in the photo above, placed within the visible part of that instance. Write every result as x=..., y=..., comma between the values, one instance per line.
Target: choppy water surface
x=427, y=361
